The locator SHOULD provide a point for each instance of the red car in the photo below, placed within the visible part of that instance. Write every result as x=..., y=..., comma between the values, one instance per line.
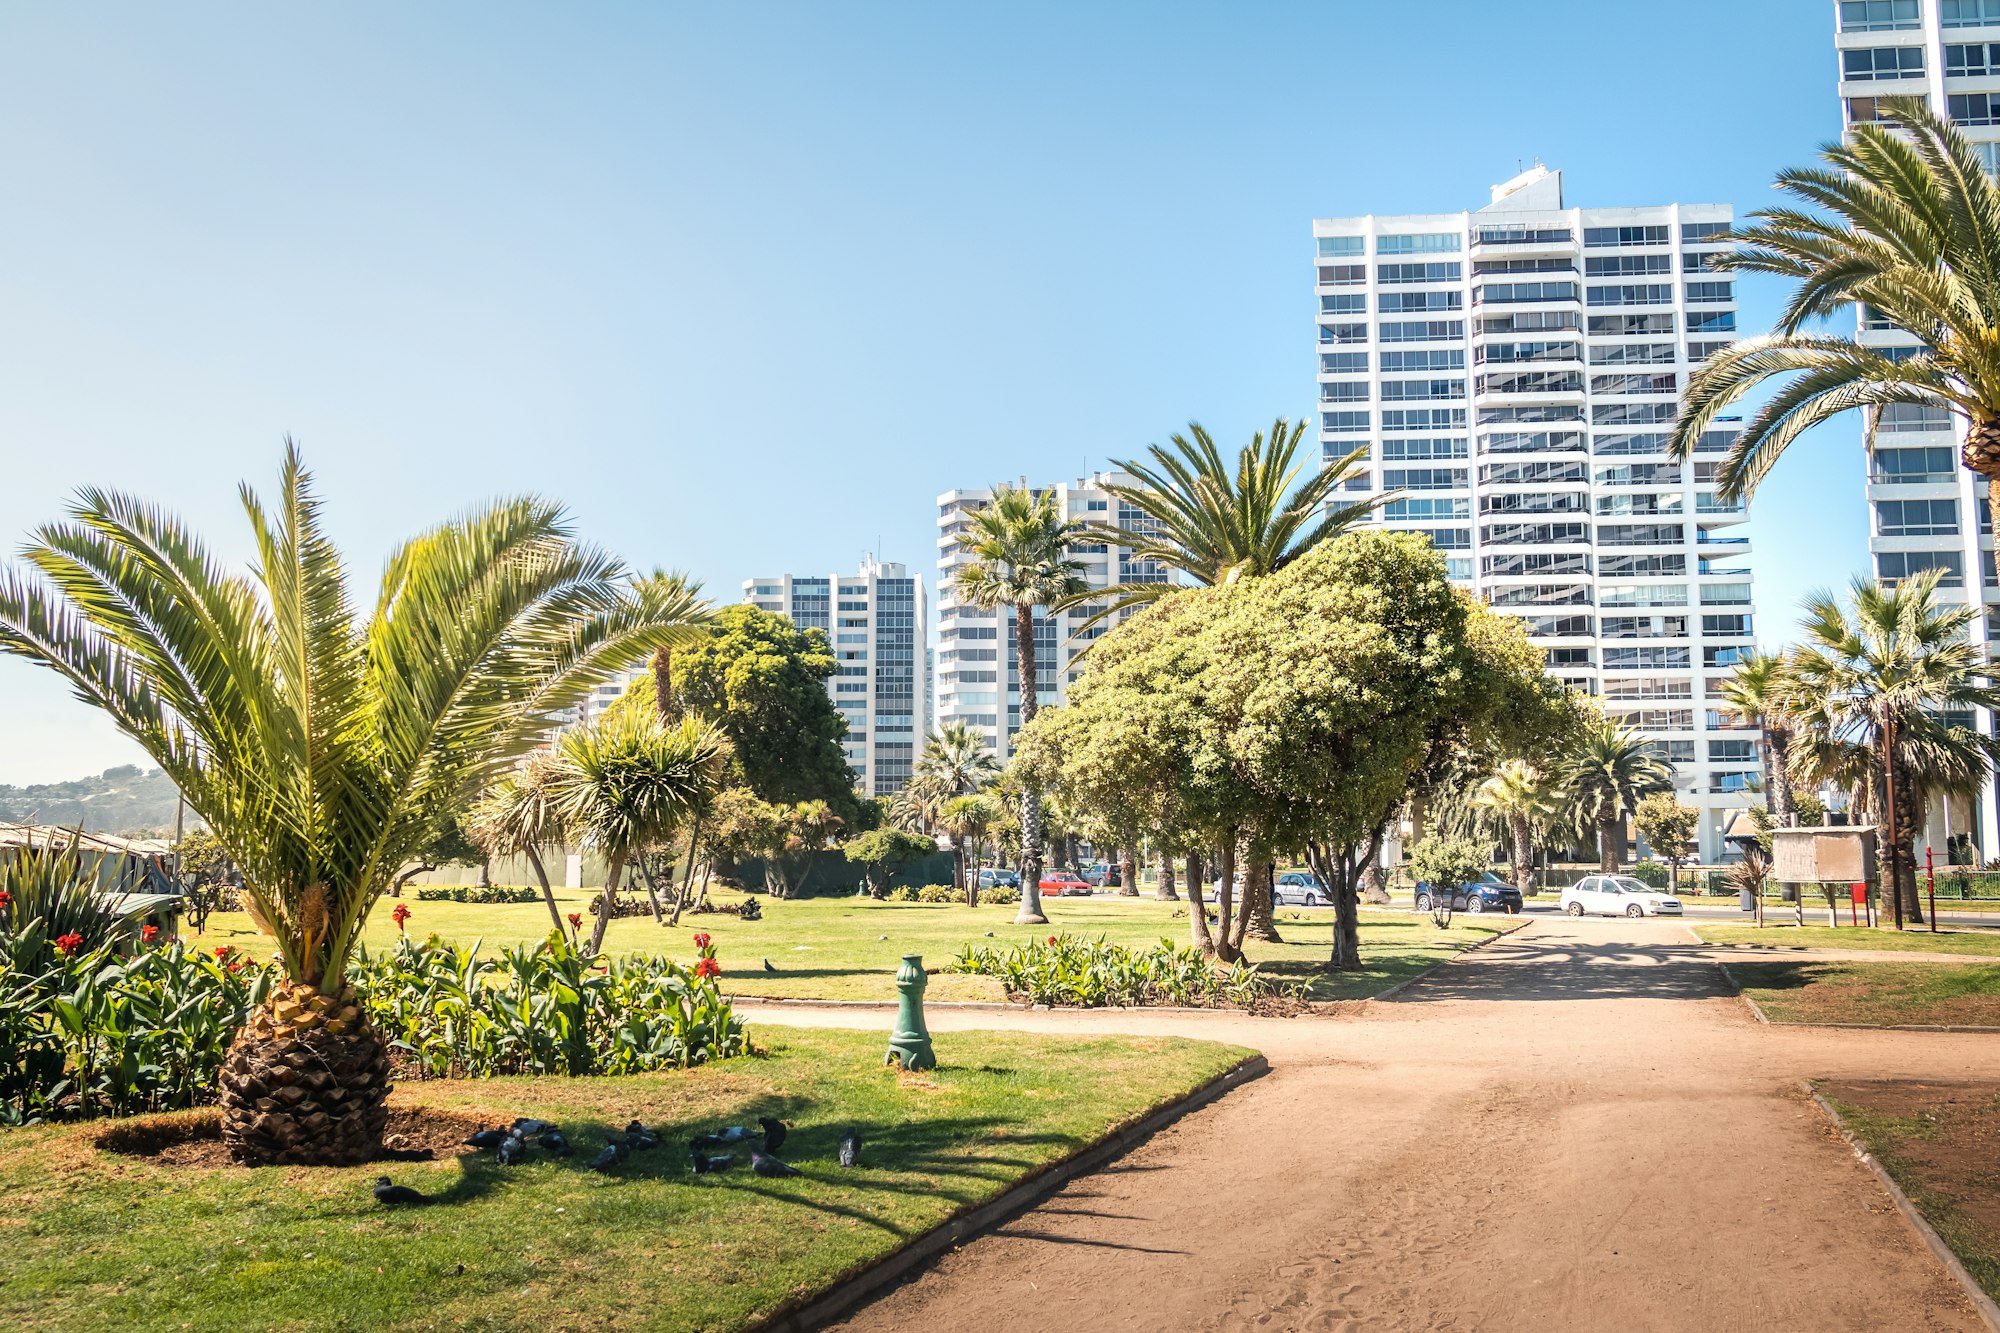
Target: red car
x=1059, y=882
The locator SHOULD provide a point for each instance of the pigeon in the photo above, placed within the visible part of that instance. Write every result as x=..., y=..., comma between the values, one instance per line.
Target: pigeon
x=768, y=967
x=881, y=937
x=553, y=1140
x=613, y=1154
x=850, y=1147
x=486, y=1138
x=709, y=1165
x=397, y=1195
x=769, y=1166
x=732, y=1135
x=531, y=1129
x=512, y=1149
x=774, y=1133
x=408, y=1155
x=638, y=1138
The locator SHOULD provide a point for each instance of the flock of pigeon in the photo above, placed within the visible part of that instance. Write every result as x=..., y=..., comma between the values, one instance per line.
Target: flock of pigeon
x=510, y=1146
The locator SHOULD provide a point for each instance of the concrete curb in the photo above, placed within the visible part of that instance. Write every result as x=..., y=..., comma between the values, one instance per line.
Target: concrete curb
x=1756, y=1010
x=1981, y=1302
x=1408, y=982
x=886, y=1271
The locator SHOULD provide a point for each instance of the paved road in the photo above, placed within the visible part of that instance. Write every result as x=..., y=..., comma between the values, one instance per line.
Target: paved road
x=1574, y=1128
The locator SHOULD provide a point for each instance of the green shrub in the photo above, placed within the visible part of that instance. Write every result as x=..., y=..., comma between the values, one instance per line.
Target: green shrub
x=1000, y=895
x=749, y=910
x=50, y=893
x=629, y=904
x=492, y=893
x=1067, y=970
x=1650, y=873
x=940, y=893
x=900, y=895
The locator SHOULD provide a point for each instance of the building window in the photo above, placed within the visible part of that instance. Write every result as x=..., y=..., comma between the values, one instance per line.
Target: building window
x=1423, y=479
x=1631, y=384
x=1626, y=266
x=1899, y=417
x=1445, y=539
x=1422, y=448
x=1725, y=627
x=1438, y=359
x=1344, y=363
x=1620, y=446
x=1711, y=321
x=1595, y=237
x=1973, y=108
x=1916, y=518
x=1704, y=233
x=1958, y=14
x=1424, y=418
x=1971, y=60
x=1645, y=594
x=1345, y=304
x=1343, y=333
x=1405, y=391
x=1884, y=15
x=1422, y=331
x=1426, y=510
x=1922, y=465
x=1501, y=293
x=1632, y=293
x=1343, y=423
x=1631, y=326
x=1343, y=275
x=1344, y=391
x=1521, y=234
x=1335, y=247
x=1394, y=303
x=1633, y=354
x=1427, y=243
x=1396, y=274
x=1891, y=567
x=1709, y=293
x=1885, y=62
x=1867, y=111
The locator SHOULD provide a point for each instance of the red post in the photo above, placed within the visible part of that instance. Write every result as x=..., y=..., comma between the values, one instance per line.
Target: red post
x=1930, y=885
x=1855, y=893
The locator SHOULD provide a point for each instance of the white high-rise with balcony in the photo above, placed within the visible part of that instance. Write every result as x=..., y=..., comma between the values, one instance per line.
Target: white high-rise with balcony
x=874, y=621
x=1514, y=372
x=978, y=670
x=1925, y=510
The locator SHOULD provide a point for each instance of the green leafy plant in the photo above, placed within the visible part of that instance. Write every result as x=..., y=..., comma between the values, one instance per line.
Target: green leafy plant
x=473, y=893
x=938, y=893
x=50, y=892
x=1088, y=973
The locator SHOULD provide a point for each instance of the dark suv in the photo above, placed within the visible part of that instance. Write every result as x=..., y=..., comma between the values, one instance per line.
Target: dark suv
x=1488, y=893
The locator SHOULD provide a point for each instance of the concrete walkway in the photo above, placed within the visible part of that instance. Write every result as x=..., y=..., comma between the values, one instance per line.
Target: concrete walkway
x=1574, y=1128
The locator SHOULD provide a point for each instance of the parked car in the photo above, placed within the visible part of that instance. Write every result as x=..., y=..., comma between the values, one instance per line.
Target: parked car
x=1060, y=882
x=1103, y=875
x=997, y=877
x=1488, y=893
x=1617, y=895
x=1301, y=888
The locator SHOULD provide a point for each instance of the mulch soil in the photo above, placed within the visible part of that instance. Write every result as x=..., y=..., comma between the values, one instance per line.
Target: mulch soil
x=196, y=1140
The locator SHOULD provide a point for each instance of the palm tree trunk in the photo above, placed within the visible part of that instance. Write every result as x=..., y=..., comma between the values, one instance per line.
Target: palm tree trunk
x=548, y=894
x=958, y=858
x=1607, y=848
x=1031, y=795
x=1889, y=821
x=652, y=891
x=609, y=903
x=663, y=684
x=1165, y=890
x=1128, y=871
x=1260, y=898
x=1524, y=863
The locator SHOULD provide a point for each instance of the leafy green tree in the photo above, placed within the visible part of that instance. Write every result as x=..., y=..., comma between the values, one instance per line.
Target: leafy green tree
x=1216, y=524
x=1018, y=544
x=205, y=872
x=884, y=852
x=1444, y=862
x=809, y=828
x=320, y=742
x=449, y=844
x=1909, y=227
x=1525, y=799
x=1605, y=774
x=762, y=679
x=1668, y=827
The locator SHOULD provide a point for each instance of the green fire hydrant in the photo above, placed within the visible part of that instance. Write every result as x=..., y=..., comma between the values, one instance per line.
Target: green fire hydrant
x=910, y=1043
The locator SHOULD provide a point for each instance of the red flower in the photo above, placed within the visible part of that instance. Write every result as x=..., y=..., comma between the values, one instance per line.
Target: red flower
x=701, y=939
x=400, y=915
x=1052, y=939
x=707, y=967
x=576, y=921
x=6, y=900
x=148, y=933
x=69, y=943
x=224, y=950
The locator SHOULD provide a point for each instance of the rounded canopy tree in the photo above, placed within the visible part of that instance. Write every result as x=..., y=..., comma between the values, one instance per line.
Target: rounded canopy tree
x=322, y=746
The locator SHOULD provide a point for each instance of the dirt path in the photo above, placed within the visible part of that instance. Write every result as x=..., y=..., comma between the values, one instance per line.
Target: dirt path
x=1574, y=1128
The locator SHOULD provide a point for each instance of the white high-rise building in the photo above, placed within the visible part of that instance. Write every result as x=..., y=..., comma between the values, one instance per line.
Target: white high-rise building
x=978, y=672
x=874, y=621
x=1925, y=510
x=1514, y=373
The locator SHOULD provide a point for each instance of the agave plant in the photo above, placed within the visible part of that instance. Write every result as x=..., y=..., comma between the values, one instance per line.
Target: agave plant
x=319, y=744
x=51, y=893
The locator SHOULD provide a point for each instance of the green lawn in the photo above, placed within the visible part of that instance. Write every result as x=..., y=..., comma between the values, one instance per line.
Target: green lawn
x=1876, y=994
x=848, y=948
x=1849, y=937
x=93, y=1240
x=1936, y=1141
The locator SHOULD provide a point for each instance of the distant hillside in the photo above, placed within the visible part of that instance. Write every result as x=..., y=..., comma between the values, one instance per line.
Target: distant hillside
x=128, y=800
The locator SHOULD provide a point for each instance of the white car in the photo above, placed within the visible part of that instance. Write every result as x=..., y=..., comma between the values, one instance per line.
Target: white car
x=1617, y=895
x=1301, y=888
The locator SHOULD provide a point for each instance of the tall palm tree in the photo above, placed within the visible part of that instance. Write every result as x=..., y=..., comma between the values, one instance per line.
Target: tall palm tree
x=666, y=590
x=955, y=761
x=1524, y=798
x=625, y=783
x=1607, y=772
x=1019, y=547
x=518, y=817
x=1910, y=230
x=1218, y=525
x=321, y=746
x=1876, y=679
x=1759, y=692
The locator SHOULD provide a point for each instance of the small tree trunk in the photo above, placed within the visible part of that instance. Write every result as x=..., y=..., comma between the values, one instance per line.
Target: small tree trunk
x=1336, y=870
x=1197, y=909
x=548, y=894
x=485, y=872
x=701, y=895
x=687, y=877
x=610, y=903
x=1228, y=942
x=1260, y=892
x=1165, y=890
x=396, y=890
x=1128, y=871
x=652, y=891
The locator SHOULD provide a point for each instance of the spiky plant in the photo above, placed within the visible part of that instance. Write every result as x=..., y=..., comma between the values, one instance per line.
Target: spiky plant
x=320, y=745
x=1910, y=228
x=1609, y=769
x=1524, y=799
x=1760, y=693
x=518, y=817
x=1019, y=547
x=625, y=783
x=52, y=891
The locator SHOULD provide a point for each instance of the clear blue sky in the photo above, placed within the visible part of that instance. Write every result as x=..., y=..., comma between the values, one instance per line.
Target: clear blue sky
x=749, y=285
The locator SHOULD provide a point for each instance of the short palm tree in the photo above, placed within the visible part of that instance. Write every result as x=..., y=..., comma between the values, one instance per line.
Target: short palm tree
x=625, y=783
x=1525, y=799
x=1216, y=524
x=322, y=746
x=518, y=817
x=1610, y=769
x=969, y=818
x=1873, y=677
x=915, y=806
x=1759, y=693
x=1911, y=231
x=955, y=760
x=1019, y=547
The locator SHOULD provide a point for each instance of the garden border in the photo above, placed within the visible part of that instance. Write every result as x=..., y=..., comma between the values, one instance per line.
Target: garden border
x=852, y=1291
x=1988, y=1311
x=1408, y=982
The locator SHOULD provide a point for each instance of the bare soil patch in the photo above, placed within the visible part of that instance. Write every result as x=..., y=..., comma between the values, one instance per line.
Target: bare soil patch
x=1941, y=1142
x=194, y=1138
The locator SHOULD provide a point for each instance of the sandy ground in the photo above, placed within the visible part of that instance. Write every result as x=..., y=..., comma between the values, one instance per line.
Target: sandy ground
x=1574, y=1128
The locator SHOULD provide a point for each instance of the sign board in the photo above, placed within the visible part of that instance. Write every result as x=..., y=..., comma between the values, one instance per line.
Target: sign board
x=1823, y=855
